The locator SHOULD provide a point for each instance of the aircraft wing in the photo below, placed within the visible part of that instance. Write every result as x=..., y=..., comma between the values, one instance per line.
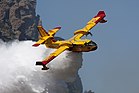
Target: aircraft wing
x=51, y=57
x=84, y=31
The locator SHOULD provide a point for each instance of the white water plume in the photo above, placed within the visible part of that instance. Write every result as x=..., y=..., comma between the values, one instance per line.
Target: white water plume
x=18, y=73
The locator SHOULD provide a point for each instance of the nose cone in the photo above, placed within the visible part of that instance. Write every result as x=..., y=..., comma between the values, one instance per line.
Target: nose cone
x=94, y=46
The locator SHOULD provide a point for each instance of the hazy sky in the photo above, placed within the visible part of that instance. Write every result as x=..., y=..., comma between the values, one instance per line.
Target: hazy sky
x=113, y=67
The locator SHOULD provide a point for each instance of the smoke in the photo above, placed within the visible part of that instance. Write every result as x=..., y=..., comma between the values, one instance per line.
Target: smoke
x=18, y=73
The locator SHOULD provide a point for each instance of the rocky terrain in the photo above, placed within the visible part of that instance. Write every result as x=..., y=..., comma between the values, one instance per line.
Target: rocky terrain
x=18, y=20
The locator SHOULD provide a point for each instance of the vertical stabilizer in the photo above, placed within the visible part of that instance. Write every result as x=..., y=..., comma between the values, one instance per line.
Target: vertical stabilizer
x=42, y=31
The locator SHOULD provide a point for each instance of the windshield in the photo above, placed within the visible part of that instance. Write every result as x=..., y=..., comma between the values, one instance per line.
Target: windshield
x=91, y=43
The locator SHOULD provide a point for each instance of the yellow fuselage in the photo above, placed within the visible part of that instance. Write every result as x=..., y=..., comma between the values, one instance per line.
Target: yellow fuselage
x=75, y=46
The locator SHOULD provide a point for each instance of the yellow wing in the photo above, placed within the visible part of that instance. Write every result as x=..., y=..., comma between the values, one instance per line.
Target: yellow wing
x=84, y=31
x=53, y=31
x=52, y=55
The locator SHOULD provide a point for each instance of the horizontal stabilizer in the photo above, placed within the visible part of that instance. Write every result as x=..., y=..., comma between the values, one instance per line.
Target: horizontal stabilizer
x=53, y=31
x=57, y=27
x=38, y=43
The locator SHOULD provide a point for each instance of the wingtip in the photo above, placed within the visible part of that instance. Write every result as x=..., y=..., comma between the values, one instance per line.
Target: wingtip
x=35, y=45
x=101, y=13
x=39, y=63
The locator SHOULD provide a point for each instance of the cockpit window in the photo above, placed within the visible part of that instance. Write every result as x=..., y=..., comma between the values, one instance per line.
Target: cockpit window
x=91, y=43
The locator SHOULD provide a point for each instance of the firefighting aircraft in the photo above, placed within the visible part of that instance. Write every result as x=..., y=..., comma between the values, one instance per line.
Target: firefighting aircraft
x=75, y=44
